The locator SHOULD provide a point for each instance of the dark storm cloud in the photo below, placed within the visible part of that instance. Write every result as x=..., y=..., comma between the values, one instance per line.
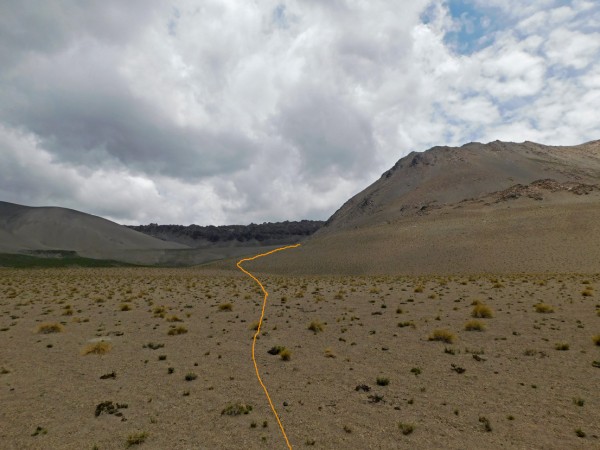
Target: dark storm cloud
x=46, y=27
x=83, y=112
x=95, y=122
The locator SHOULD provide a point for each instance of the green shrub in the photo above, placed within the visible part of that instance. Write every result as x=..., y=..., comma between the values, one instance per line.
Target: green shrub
x=383, y=381
x=136, y=439
x=236, y=409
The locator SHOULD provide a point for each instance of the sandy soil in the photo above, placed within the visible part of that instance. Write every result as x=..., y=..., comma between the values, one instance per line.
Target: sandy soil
x=513, y=378
x=555, y=235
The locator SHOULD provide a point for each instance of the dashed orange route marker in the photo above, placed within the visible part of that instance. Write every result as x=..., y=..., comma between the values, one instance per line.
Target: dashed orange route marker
x=262, y=314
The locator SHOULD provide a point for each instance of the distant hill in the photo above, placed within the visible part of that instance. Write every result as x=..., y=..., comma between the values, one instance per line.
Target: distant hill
x=500, y=207
x=275, y=233
x=36, y=230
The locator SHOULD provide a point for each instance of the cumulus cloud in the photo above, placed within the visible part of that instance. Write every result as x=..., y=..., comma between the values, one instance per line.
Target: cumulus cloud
x=232, y=112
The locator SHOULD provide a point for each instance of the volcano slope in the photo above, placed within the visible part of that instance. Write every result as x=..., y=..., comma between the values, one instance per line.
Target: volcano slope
x=480, y=208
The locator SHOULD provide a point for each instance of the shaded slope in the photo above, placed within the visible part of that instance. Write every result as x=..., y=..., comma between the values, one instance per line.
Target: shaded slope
x=24, y=228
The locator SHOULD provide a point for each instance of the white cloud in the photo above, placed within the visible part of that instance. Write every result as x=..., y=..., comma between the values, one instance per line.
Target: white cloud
x=572, y=48
x=226, y=111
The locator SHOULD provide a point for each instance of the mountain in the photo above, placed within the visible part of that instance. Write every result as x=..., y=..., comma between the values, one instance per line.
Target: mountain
x=496, y=207
x=447, y=175
x=268, y=233
x=25, y=229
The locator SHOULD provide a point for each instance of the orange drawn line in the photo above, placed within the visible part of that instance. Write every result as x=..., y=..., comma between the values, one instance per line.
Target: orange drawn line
x=262, y=314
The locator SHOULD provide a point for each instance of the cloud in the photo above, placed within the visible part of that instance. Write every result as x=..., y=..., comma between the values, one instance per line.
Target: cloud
x=232, y=112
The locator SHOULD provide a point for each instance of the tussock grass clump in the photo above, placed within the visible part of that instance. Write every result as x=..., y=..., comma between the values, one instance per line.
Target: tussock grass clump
x=482, y=311
x=487, y=426
x=443, y=336
x=136, y=439
x=191, y=376
x=474, y=325
x=40, y=431
x=406, y=428
x=316, y=326
x=562, y=346
x=48, y=328
x=153, y=346
x=543, y=308
x=276, y=350
x=285, y=354
x=382, y=381
x=236, y=409
x=173, y=318
x=177, y=331
x=97, y=348
x=159, y=311
x=225, y=307
x=596, y=339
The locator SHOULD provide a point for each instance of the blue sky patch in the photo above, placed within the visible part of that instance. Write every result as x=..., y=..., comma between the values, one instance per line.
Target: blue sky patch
x=474, y=27
x=279, y=16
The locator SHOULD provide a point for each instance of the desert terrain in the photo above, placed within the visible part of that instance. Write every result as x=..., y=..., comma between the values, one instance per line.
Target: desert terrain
x=391, y=362
x=451, y=304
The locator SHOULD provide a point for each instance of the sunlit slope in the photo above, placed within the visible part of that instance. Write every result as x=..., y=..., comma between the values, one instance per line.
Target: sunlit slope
x=500, y=207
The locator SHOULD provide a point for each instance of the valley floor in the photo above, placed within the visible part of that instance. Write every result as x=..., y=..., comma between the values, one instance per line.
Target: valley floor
x=178, y=343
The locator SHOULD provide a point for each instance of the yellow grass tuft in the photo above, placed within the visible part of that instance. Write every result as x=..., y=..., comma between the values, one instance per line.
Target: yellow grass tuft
x=442, y=336
x=136, y=439
x=97, y=348
x=47, y=328
x=482, y=311
x=474, y=325
x=177, y=330
x=285, y=354
x=315, y=326
x=596, y=339
x=543, y=308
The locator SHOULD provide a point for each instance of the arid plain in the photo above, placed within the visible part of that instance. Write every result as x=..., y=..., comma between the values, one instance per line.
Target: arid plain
x=454, y=303
x=391, y=362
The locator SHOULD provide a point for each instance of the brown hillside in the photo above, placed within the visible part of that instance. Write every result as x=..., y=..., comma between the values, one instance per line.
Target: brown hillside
x=497, y=207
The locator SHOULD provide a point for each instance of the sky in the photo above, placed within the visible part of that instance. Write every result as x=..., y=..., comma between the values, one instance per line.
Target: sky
x=232, y=112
